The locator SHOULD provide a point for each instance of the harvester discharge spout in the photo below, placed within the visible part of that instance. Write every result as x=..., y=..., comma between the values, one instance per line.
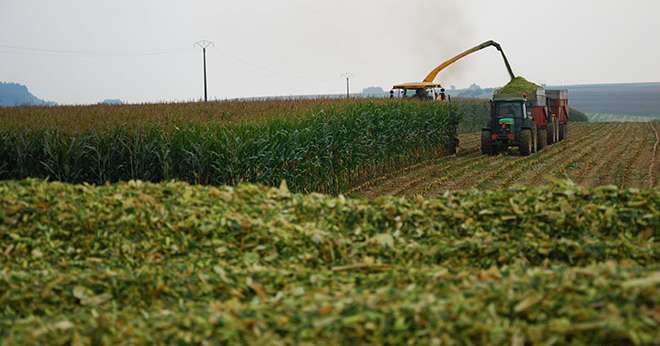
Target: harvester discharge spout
x=433, y=74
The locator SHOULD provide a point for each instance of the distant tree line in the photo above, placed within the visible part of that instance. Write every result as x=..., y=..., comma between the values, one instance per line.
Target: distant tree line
x=576, y=115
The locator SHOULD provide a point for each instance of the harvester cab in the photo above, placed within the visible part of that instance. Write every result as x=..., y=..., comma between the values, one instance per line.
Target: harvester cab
x=419, y=91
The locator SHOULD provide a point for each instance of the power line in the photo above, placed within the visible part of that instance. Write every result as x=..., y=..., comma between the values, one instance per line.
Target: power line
x=86, y=52
x=13, y=49
x=8, y=49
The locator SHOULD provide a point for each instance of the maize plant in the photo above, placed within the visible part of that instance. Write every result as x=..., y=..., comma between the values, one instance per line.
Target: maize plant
x=325, y=151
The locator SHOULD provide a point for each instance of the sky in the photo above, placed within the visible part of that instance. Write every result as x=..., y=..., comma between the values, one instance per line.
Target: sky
x=84, y=51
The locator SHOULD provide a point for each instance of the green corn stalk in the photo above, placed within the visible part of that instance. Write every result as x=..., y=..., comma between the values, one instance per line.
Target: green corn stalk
x=326, y=151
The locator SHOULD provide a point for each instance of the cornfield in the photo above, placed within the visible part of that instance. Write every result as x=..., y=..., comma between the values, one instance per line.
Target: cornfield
x=324, y=151
x=81, y=119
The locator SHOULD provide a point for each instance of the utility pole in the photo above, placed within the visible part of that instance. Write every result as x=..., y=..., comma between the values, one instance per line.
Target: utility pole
x=348, y=76
x=204, y=44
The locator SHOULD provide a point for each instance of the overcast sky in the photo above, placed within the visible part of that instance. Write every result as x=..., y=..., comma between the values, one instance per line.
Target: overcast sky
x=83, y=51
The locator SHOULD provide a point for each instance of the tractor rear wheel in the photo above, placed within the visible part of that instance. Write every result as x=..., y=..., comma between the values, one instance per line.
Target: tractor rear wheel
x=487, y=147
x=526, y=142
x=542, y=139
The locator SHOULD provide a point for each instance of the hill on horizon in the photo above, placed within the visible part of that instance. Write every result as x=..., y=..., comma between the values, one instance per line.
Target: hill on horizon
x=640, y=99
x=14, y=94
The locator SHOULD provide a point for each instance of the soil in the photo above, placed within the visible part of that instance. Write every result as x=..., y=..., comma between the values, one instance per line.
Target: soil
x=622, y=154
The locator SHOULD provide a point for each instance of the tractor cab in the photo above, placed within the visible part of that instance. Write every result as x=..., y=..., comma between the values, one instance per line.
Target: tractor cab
x=419, y=91
x=507, y=113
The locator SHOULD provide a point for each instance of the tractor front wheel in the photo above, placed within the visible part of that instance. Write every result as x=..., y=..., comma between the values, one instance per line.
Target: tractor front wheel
x=526, y=142
x=487, y=147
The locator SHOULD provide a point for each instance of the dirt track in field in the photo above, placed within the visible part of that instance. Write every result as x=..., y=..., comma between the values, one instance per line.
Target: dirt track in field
x=623, y=154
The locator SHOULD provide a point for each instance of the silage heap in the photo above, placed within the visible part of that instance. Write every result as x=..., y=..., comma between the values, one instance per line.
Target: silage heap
x=171, y=263
x=518, y=87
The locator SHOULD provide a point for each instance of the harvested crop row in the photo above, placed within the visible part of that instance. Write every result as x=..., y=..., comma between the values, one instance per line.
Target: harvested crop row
x=326, y=152
x=654, y=167
x=579, y=148
x=642, y=152
x=167, y=263
x=603, y=164
x=445, y=174
x=577, y=158
x=614, y=156
x=482, y=170
x=400, y=178
x=516, y=167
x=559, y=159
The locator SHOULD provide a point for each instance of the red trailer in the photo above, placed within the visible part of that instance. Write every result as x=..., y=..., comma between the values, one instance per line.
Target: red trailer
x=537, y=104
x=558, y=114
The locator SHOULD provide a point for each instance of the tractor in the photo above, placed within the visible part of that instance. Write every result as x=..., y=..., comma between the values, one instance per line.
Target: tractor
x=528, y=123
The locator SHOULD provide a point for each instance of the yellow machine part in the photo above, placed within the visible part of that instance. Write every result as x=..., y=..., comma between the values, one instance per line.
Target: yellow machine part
x=428, y=81
x=416, y=86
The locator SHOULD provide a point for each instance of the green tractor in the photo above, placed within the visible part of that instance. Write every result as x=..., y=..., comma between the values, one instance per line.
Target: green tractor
x=510, y=125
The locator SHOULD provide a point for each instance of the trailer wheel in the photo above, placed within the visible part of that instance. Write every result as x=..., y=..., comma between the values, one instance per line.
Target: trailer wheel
x=526, y=142
x=562, y=132
x=487, y=147
x=542, y=139
x=550, y=131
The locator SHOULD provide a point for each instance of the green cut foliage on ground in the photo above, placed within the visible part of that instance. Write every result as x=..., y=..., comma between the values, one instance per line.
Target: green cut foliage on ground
x=516, y=88
x=172, y=263
x=326, y=151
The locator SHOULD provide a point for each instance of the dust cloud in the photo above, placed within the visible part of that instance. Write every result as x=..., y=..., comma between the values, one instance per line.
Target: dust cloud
x=431, y=33
x=381, y=42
